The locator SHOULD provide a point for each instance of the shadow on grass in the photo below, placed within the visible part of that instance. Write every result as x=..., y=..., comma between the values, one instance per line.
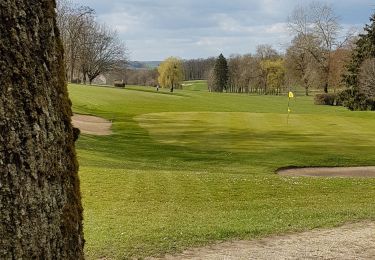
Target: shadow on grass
x=160, y=92
x=131, y=147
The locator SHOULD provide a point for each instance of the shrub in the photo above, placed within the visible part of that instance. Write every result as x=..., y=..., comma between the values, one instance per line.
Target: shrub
x=354, y=100
x=327, y=99
x=119, y=84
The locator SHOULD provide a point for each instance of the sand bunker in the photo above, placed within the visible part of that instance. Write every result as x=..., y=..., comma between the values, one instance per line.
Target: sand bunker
x=349, y=172
x=92, y=125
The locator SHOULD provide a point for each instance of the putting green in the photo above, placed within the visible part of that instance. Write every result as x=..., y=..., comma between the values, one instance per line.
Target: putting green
x=240, y=131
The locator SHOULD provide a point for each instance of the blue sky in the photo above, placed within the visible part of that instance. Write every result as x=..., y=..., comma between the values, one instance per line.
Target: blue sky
x=157, y=29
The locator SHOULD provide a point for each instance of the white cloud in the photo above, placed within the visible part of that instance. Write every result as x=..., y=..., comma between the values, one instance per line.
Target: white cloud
x=277, y=28
x=154, y=29
x=123, y=21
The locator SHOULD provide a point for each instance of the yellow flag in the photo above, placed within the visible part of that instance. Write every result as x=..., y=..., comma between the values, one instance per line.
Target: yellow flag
x=291, y=95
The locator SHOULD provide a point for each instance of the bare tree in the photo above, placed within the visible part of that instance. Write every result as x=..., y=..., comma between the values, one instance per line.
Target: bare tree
x=317, y=21
x=91, y=48
x=300, y=64
x=261, y=74
x=71, y=20
x=64, y=11
x=245, y=74
x=143, y=77
x=234, y=71
x=252, y=74
x=266, y=52
x=339, y=60
x=211, y=80
x=101, y=51
x=197, y=69
x=40, y=200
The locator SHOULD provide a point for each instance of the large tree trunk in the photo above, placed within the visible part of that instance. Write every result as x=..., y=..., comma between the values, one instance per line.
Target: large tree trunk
x=40, y=202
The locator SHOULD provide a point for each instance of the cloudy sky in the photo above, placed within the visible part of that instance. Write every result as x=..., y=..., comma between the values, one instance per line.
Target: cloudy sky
x=156, y=29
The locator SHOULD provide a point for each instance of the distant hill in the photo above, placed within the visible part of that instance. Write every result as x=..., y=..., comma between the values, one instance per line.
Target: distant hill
x=143, y=64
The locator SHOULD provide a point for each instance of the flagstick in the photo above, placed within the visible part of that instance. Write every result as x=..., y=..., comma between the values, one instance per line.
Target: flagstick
x=287, y=119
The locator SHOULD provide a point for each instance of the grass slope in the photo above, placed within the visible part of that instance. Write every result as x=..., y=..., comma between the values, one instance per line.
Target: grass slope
x=192, y=167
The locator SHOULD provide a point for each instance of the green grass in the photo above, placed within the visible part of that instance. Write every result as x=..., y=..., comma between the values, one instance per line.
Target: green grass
x=195, y=85
x=192, y=167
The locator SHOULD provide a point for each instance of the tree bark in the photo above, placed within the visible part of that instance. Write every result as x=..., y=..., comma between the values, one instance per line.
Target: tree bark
x=40, y=201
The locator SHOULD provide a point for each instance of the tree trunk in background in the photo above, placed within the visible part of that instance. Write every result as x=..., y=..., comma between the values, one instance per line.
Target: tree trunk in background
x=40, y=201
x=306, y=85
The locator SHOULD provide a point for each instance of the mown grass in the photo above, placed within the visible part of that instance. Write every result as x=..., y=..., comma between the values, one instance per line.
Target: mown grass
x=195, y=85
x=192, y=167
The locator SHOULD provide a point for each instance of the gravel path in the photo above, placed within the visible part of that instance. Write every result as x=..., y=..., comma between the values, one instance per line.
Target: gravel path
x=350, y=172
x=92, y=125
x=351, y=241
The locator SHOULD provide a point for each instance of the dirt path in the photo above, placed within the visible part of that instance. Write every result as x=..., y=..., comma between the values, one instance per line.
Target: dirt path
x=92, y=125
x=351, y=241
x=363, y=172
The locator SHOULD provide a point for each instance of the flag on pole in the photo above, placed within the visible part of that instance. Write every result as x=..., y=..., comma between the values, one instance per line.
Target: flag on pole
x=290, y=95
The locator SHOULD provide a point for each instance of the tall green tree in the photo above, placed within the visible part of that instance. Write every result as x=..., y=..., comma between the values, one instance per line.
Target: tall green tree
x=220, y=74
x=353, y=97
x=40, y=200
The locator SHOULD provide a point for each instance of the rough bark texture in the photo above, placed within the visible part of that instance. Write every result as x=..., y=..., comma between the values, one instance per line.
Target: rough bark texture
x=40, y=202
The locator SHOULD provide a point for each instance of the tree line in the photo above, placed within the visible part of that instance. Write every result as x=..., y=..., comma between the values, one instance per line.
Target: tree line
x=262, y=73
x=315, y=58
x=319, y=57
x=192, y=69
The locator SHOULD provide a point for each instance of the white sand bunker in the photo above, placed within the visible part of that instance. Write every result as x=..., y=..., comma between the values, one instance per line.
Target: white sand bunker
x=92, y=125
x=348, y=172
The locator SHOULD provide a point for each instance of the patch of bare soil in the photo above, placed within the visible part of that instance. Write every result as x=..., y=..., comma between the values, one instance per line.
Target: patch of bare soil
x=351, y=241
x=92, y=125
x=349, y=172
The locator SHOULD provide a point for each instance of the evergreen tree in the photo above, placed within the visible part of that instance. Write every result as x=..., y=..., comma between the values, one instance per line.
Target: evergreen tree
x=220, y=74
x=353, y=98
